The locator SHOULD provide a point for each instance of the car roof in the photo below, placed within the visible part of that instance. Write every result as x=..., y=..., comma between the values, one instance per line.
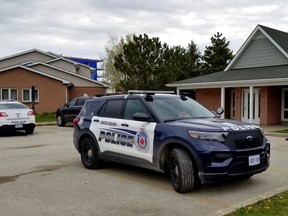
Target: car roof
x=132, y=95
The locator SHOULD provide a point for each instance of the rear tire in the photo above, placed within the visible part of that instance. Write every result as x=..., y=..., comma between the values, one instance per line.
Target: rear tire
x=60, y=121
x=29, y=130
x=89, y=154
x=181, y=171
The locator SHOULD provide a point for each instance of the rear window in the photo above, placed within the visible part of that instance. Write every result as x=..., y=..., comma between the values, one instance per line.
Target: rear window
x=12, y=106
x=111, y=109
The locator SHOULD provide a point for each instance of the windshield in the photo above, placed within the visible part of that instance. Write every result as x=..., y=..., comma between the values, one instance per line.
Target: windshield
x=169, y=109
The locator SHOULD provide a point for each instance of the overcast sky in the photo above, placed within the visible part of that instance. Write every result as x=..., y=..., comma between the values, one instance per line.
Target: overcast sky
x=81, y=27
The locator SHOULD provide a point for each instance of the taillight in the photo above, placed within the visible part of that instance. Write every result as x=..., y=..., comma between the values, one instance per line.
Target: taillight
x=31, y=113
x=3, y=114
x=75, y=121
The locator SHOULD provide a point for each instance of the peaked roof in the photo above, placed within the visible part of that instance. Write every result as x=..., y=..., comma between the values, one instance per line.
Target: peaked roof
x=55, y=57
x=268, y=75
x=276, y=37
x=64, y=81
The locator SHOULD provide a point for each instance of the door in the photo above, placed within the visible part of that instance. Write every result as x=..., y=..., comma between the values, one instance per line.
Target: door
x=245, y=117
x=143, y=132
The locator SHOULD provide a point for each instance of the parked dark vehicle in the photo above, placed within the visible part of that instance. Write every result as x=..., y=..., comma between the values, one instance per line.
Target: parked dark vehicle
x=70, y=110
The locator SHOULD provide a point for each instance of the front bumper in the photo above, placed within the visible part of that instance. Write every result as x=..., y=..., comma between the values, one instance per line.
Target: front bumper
x=235, y=165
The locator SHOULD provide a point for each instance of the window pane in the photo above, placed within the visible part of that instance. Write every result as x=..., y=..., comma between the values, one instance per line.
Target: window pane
x=5, y=94
x=132, y=107
x=286, y=99
x=14, y=95
x=113, y=108
x=36, y=95
x=26, y=95
x=285, y=114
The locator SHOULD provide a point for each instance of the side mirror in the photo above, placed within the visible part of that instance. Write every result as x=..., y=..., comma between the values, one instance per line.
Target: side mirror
x=142, y=117
x=220, y=111
x=66, y=105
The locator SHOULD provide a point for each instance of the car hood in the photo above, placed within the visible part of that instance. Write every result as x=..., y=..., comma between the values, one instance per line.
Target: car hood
x=214, y=124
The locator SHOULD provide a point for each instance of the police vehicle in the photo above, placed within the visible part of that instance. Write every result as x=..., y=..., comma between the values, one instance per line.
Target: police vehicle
x=15, y=115
x=170, y=133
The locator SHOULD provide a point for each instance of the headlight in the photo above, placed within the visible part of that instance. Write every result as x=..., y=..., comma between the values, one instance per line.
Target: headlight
x=211, y=136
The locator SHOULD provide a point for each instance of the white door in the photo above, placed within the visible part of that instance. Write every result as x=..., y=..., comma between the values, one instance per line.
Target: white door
x=246, y=106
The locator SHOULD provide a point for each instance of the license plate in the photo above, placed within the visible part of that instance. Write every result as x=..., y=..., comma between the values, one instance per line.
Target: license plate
x=18, y=125
x=254, y=160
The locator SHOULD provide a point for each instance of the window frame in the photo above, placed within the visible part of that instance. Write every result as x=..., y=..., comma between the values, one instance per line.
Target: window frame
x=30, y=95
x=9, y=93
x=283, y=109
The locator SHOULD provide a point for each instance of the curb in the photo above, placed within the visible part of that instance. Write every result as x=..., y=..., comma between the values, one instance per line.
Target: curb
x=232, y=208
x=45, y=123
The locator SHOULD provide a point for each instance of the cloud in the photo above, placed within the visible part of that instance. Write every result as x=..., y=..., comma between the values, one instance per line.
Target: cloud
x=82, y=28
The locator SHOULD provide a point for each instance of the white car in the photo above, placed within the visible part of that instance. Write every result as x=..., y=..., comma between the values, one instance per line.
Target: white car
x=16, y=116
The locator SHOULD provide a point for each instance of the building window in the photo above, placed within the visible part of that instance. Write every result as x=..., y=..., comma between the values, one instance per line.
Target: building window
x=284, y=112
x=27, y=95
x=8, y=94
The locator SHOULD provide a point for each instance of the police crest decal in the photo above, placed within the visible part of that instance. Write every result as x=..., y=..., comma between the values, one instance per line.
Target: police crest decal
x=141, y=140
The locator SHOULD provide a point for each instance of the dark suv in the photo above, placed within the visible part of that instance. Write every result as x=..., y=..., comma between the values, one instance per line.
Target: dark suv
x=70, y=110
x=170, y=133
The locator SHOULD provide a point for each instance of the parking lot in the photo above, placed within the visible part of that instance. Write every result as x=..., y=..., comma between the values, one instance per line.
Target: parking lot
x=42, y=174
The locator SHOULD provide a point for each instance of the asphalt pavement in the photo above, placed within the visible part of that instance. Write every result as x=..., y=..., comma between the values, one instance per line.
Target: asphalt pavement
x=42, y=174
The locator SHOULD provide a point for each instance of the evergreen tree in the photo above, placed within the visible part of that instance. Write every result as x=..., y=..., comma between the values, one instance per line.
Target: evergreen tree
x=217, y=56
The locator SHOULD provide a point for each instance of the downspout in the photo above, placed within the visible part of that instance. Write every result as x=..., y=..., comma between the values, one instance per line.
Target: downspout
x=67, y=93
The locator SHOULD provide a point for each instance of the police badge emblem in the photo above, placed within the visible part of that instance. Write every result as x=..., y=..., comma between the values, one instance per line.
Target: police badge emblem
x=141, y=140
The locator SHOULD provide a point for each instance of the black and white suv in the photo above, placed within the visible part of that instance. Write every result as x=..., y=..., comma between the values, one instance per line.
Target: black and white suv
x=169, y=133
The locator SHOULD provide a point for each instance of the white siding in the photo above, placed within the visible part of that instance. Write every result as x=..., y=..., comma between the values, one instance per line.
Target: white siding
x=260, y=53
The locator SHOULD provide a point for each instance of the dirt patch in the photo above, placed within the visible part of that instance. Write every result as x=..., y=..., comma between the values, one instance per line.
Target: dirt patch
x=25, y=147
x=44, y=168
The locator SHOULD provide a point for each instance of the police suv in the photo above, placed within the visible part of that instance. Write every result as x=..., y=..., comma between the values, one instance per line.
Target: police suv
x=170, y=133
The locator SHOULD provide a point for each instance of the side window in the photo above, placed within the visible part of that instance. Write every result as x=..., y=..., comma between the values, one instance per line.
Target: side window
x=73, y=102
x=111, y=109
x=132, y=107
x=80, y=102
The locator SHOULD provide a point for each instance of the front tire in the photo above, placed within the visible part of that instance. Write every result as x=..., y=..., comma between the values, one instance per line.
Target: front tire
x=89, y=154
x=181, y=171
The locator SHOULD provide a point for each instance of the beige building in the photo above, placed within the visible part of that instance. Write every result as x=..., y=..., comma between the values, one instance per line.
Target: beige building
x=56, y=79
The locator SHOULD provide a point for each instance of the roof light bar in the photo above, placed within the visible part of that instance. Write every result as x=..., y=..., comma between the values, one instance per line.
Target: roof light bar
x=149, y=92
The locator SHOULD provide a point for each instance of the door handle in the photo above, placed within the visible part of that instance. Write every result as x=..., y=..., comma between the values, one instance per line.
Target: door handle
x=96, y=120
x=125, y=125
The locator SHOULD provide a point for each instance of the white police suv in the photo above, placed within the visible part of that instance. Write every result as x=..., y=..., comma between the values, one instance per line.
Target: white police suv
x=16, y=116
x=170, y=133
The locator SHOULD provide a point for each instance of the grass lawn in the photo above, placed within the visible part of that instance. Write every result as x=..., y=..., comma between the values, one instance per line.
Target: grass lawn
x=46, y=117
x=282, y=131
x=276, y=206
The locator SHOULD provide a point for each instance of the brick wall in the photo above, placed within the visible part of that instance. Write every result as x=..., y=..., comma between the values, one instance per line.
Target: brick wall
x=210, y=98
x=270, y=105
x=238, y=103
x=90, y=91
x=51, y=91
